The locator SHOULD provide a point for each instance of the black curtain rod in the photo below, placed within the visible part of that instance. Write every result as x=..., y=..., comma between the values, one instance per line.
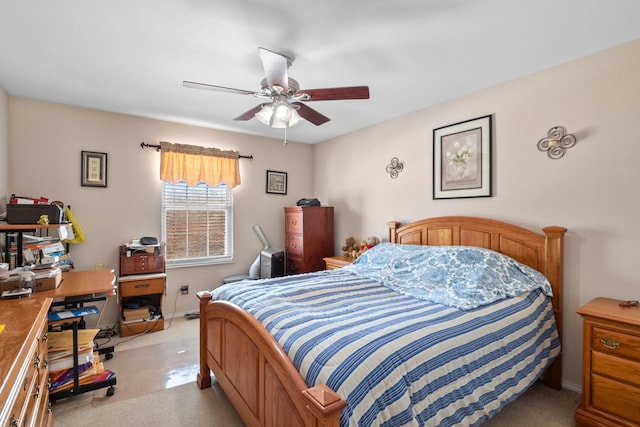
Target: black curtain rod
x=157, y=147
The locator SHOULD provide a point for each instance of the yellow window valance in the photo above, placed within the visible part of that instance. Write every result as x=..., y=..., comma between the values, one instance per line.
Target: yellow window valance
x=194, y=164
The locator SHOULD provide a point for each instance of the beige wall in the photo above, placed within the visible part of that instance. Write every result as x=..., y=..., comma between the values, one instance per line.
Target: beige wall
x=592, y=191
x=46, y=141
x=4, y=148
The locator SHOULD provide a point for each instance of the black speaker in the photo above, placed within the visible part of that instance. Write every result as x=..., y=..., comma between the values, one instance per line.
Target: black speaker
x=271, y=263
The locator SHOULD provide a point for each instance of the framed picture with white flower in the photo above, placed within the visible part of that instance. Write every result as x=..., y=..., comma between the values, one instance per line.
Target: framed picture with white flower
x=462, y=159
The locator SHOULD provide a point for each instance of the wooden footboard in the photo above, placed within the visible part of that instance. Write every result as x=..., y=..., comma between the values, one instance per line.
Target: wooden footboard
x=256, y=375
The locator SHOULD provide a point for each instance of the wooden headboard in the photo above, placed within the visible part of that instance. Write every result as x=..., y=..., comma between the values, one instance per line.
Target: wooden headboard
x=541, y=251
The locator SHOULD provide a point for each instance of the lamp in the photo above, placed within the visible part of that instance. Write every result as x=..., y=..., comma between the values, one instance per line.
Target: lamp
x=279, y=114
x=556, y=142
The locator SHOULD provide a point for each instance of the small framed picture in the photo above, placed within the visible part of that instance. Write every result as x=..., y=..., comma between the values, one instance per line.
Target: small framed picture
x=94, y=169
x=276, y=182
x=462, y=159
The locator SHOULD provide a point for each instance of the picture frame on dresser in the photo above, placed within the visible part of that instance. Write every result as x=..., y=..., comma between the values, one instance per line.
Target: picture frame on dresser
x=462, y=159
x=276, y=182
x=94, y=169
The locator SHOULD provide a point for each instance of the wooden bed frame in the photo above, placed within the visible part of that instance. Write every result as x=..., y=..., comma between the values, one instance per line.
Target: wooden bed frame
x=263, y=384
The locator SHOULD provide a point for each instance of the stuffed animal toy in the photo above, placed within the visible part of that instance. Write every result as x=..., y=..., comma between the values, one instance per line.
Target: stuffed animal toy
x=372, y=241
x=363, y=247
x=368, y=244
x=350, y=248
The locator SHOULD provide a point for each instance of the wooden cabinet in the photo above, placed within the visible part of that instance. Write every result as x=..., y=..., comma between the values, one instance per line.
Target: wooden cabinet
x=141, y=293
x=24, y=390
x=308, y=238
x=334, y=262
x=141, y=261
x=610, y=364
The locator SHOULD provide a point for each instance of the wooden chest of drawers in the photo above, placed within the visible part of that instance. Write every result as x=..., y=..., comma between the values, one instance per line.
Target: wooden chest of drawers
x=24, y=391
x=308, y=238
x=610, y=365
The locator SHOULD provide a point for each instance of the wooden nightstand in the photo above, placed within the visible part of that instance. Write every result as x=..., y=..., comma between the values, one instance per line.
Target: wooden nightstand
x=333, y=262
x=610, y=365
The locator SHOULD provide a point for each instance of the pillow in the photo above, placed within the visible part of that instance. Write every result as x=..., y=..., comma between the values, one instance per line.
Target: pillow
x=458, y=276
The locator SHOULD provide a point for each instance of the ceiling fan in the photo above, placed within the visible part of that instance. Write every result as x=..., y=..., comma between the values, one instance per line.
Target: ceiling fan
x=285, y=101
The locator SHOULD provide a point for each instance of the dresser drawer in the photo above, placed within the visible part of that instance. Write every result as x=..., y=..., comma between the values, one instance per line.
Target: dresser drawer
x=23, y=398
x=295, y=265
x=615, y=342
x=295, y=244
x=615, y=398
x=293, y=222
x=141, y=287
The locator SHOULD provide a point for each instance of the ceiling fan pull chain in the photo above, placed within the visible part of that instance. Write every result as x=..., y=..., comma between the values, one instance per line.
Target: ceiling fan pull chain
x=285, y=136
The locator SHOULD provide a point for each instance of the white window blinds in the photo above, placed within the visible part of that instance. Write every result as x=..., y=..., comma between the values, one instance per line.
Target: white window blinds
x=197, y=224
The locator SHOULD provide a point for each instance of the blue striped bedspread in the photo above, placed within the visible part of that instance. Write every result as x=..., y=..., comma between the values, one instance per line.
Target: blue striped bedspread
x=398, y=360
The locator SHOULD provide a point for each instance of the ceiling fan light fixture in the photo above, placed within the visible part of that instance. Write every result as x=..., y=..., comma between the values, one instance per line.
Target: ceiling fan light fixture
x=264, y=115
x=295, y=117
x=278, y=114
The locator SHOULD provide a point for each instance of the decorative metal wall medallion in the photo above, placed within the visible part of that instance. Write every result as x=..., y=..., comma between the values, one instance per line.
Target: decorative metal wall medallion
x=556, y=142
x=394, y=167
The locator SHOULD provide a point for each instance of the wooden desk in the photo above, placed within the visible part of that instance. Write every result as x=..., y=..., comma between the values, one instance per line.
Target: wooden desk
x=77, y=288
x=90, y=283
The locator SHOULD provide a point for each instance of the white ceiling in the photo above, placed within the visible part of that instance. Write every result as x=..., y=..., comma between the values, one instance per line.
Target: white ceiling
x=131, y=56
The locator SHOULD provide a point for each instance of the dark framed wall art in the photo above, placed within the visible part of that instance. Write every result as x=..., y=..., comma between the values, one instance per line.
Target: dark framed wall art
x=462, y=159
x=276, y=182
x=94, y=169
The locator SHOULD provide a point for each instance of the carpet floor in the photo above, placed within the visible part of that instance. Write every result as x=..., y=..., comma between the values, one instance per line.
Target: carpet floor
x=156, y=387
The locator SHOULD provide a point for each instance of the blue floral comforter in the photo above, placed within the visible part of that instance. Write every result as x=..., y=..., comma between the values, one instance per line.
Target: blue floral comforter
x=457, y=276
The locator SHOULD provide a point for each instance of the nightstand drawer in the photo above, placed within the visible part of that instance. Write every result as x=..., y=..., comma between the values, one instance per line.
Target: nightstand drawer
x=141, y=287
x=334, y=262
x=615, y=398
x=616, y=343
x=616, y=368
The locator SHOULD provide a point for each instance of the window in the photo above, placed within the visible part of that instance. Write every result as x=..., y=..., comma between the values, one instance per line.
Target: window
x=197, y=224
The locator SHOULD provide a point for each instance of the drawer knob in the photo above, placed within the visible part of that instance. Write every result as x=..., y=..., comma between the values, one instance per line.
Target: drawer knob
x=610, y=343
x=142, y=285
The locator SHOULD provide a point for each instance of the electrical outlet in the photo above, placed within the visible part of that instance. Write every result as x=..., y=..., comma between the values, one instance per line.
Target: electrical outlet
x=184, y=289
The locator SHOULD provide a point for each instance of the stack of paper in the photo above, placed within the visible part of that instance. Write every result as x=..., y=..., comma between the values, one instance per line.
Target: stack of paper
x=61, y=354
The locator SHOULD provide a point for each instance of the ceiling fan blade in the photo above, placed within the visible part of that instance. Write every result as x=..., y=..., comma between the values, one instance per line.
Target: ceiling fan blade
x=310, y=114
x=275, y=68
x=195, y=85
x=249, y=114
x=336, y=93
